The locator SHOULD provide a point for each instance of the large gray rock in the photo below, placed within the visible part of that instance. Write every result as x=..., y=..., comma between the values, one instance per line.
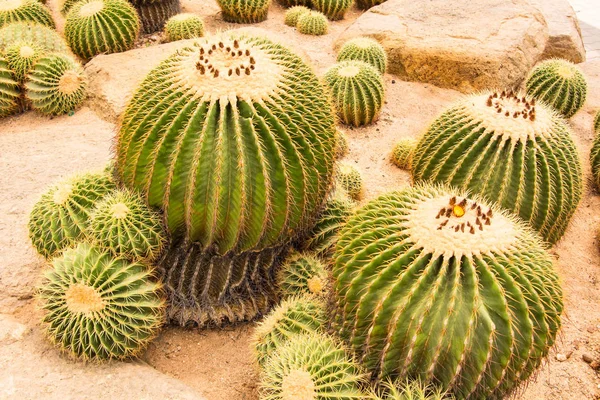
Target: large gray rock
x=465, y=45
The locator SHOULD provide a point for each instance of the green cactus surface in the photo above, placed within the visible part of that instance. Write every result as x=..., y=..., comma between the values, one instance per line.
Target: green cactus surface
x=93, y=27
x=234, y=139
x=364, y=49
x=333, y=9
x=594, y=155
x=342, y=147
x=357, y=90
x=448, y=289
x=312, y=23
x=244, y=11
x=350, y=179
x=510, y=149
x=66, y=6
x=98, y=307
x=302, y=273
x=60, y=218
x=20, y=57
x=56, y=85
x=45, y=38
x=402, y=153
x=155, y=13
x=293, y=13
x=126, y=226
x=560, y=84
x=25, y=10
x=294, y=316
x=406, y=390
x=184, y=26
x=293, y=3
x=9, y=89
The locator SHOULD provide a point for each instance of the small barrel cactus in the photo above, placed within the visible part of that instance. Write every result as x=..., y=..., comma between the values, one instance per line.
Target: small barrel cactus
x=9, y=90
x=594, y=155
x=25, y=10
x=56, y=85
x=364, y=49
x=342, y=147
x=560, y=84
x=312, y=23
x=44, y=37
x=510, y=149
x=294, y=316
x=244, y=11
x=293, y=13
x=60, y=218
x=98, y=307
x=311, y=366
x=184, y=26
x=406, y=390
x=20, y=57
x=155, y=13
x=301, y=273
x=101, y=26
x=357, y=90
x=123, y=224
x=418, y=269
x=402, y=153
x=332, y=9
x=350, y=180
x=366, y=4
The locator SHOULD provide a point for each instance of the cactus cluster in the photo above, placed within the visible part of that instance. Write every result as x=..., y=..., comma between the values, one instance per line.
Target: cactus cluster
x=9, y=89
x=364, y=49
x=594, y=155
x=44, y=37
x=357, y=90
x=93, y=27
x=402, y=153
x=293, y=13
x=511, y=149
x=100, y=307
x=560, y=84
x=312, y=23
x=244, y=11
x=302, y=274
x=348, y=177
x=25, y=10
x=155, y=13
x=417, y=269
x=332, y=9
x=184, y=26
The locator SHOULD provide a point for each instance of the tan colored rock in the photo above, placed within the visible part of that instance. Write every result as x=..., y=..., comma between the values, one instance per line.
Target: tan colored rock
x=564, y=39
x=465, y=45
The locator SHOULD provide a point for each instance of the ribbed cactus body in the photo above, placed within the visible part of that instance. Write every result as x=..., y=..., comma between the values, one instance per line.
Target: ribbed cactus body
x=366, y=4
x=101, y=26
x=595, y=153
x=294, y=316
x=292, y=3
x=25, y=10
x=342, y=146
x=155, y=13
x=234, y=140
x=333, y=9
x=310, y=366
x=436, y=286
x=403, y=152
x=9, y=90
x=511, y=150
x=59, y=219
x=98, y=307
x=66, y=6
x=312, y=23
x=364, y=49
x=357, y=90
x=20, y=57
x=348, y=177
x=56, y=85
x=244, y=11
x=560, y=84
x=302, y=273
x=407, y=390
x=293, y=13
x=44, y=37
x=184, y=26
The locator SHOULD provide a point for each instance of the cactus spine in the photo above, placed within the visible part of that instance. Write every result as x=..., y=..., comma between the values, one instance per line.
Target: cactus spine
x=595, y=153
x=44, y=37
x=402, y=153
x=333, y=9
x=416, y=269
x=512, y=151
x=244, y=11
x=364, y=49
x=407, y=390
x=293, y=13
x=560, y=84
x=312, y=23
x=9, y=90
x=25, y=10
x=184, y=26
x=155, y=13
x=302, y=274
x=357, y=90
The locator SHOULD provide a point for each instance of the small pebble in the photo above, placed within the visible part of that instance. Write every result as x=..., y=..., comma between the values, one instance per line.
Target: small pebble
x=393, y=81
x=561, y=357
x=588, y=358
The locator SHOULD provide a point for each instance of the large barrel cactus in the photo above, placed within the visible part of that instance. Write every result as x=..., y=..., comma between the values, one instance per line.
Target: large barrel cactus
x=436, y=286
x=511, y=150
x=25, y=10
x=155, y=13
x=9, y=90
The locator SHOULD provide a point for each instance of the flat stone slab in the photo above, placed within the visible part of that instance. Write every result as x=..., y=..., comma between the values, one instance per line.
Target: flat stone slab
x=464, y=45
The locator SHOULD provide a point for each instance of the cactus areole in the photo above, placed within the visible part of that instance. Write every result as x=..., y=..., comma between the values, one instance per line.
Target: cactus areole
x=234, y=139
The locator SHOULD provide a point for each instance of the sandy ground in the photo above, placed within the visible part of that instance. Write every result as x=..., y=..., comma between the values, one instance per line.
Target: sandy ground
x=35, y=151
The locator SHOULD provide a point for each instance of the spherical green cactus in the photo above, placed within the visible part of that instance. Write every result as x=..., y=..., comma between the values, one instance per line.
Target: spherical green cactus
x=9, y=90
x=350, y=180
x=184, y=26
x=244, y=11
x=293, y=13
x=25, y=10
x=20, y=57
x=101, y=26
x=594, y=155
x=44, y=37
x=311, y=366
x=66, y=6
x=406, y=390
x=98, y=307
x=258, y=166
x=56, y=85
x=301, y=274
x=123, y=224
x=342, y=147
x=402, y=153
x=155, y=13
x=312, y=23
x=357, y=90
x=61, y=216
x=294, y=316
x=366, y=4
x=364, y=49
x=560, y=84
x=417, y=270
x=333, y=9
x=510, y=149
